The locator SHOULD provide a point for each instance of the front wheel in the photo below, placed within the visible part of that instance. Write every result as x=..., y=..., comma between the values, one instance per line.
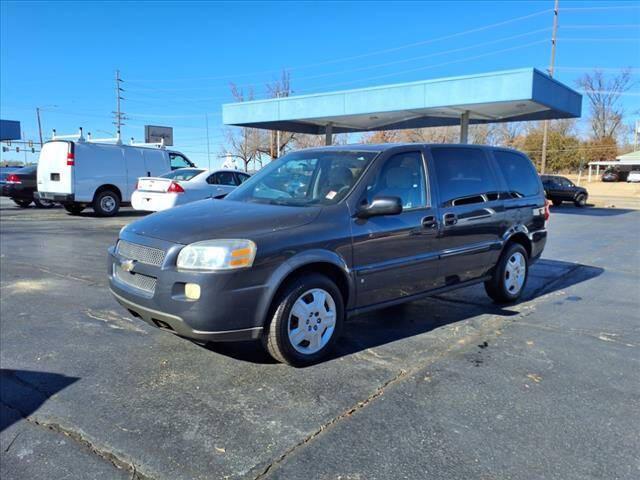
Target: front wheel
x=106, y=203
x=510, y=275
x=580, y=201
x=21, y=203
x=307, y=319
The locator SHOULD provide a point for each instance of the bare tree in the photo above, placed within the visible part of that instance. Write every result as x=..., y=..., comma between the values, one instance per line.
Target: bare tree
x=244, y=143
x=508, y=134
x=604, y=100
x=278, y=89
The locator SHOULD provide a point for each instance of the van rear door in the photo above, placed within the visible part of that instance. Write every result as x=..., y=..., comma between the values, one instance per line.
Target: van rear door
x=55, y=167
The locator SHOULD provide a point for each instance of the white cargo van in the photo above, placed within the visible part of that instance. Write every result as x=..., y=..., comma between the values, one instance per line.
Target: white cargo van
x=80, y=173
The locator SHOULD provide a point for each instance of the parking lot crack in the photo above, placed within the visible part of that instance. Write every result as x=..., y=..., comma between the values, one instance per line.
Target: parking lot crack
x=347, y=413
x=81, y=440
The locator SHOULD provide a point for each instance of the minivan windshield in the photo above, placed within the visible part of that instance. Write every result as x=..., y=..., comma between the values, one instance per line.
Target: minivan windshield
x=305, y=178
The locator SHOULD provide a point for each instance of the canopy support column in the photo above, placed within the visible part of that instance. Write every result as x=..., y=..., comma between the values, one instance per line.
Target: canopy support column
x=464, y=127
x=589, y=179
x=328, y=134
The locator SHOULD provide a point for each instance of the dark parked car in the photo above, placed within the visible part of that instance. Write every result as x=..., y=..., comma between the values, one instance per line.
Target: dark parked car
x=560, y=189
x=613, y=175
x=367, y=226
x=20, y=184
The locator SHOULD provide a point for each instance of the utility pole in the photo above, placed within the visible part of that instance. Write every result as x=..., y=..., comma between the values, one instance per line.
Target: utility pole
x=39, y=125
x=206, y=120
x=119, y=115
x=545, y=124
x=278, y=135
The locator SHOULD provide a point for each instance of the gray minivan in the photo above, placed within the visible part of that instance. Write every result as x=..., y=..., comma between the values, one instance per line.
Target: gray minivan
x=323, y=234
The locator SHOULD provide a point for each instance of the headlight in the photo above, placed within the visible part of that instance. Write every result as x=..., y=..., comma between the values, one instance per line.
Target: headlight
x=224, y=254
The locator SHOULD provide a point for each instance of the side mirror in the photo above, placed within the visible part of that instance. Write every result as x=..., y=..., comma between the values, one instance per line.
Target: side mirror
x=381, y=206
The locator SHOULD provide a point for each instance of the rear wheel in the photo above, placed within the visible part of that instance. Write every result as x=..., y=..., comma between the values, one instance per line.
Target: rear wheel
x=106, y=203
x=42, y=203
x=73, y=208
x=581, y=200
x=307, y=319
x=510, y=275
x=556, y=203
x=21, y=203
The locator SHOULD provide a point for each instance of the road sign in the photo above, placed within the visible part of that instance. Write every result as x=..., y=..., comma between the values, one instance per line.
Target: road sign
x=155, y=134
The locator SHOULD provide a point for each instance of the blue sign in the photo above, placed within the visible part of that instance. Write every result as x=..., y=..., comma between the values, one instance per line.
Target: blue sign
x=9, y=130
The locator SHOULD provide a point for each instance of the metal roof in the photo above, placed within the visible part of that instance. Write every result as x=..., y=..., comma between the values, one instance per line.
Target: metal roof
x=513, y=95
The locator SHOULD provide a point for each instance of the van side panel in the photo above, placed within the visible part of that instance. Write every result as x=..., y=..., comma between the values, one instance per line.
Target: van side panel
x=96, y=165
x=135, y=168
x=54, y=175
x=157, y=162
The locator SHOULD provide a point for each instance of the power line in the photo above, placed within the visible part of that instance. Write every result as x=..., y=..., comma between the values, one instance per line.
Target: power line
x=363, y=55
x=379, y=65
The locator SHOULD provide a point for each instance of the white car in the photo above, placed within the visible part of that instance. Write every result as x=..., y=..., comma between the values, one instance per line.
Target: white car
x=182, y=186
x=634, y=176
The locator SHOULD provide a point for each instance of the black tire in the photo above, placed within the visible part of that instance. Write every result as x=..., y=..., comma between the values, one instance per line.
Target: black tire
x=556, y=203
x=73, y=208
x=21, y=203
x=43, y=203
x=106, y=203
x=276, y=337
x=581, y=200
x=496, y=287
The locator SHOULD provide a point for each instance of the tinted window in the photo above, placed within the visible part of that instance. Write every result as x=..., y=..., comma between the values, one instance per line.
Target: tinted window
x=518, y=171
x=401, y=175
x=222, y=178
x=242, y=177
x=183, y=174
x=464, y=175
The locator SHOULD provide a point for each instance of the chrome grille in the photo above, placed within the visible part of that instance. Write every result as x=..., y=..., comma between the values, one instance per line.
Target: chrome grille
x=135, y=280
x=140, y=253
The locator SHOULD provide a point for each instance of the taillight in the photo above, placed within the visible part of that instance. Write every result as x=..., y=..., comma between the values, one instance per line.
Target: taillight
x=175, y=187
x=71, y=159
x=547, y=212
x=136, y=186
x=13, y=178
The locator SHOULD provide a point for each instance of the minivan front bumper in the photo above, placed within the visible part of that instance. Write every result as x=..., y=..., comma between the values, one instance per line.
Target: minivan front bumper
x=178, y=326
x=228, y=308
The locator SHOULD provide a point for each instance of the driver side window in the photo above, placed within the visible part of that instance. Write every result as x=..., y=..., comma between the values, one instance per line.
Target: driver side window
x=403, y=176
x=178, y=161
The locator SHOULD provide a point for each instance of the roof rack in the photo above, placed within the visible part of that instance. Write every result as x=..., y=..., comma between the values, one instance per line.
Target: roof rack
x=159, y=144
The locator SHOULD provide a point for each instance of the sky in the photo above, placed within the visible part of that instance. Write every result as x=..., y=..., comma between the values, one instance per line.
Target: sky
x=177, y=59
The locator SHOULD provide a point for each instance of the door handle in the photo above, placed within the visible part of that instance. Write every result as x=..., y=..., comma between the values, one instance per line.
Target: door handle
x=429, y=222
x=450, y=219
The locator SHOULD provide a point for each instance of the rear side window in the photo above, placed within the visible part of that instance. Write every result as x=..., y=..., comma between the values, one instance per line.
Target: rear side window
x=464, y=176
x=242, y=177
x=222, y=178
x=518, y=171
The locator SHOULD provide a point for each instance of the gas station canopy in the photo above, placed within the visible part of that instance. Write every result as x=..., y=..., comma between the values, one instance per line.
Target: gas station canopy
x=507, y=96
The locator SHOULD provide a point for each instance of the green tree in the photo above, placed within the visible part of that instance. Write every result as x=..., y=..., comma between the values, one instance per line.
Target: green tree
x=564, y=150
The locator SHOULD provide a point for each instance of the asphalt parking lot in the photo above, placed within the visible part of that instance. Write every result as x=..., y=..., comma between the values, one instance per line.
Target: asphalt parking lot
x=450, y=387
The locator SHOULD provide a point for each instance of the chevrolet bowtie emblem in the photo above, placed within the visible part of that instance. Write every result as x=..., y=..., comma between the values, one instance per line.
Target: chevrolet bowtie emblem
x=127, y=265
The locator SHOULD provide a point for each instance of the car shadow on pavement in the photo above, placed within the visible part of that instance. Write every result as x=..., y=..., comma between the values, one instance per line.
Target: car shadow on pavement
x=410, y=319
x=22, y=392
x=590, y=211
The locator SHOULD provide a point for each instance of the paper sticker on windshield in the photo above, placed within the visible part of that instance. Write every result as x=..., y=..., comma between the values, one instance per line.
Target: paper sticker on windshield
x=330, y=195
